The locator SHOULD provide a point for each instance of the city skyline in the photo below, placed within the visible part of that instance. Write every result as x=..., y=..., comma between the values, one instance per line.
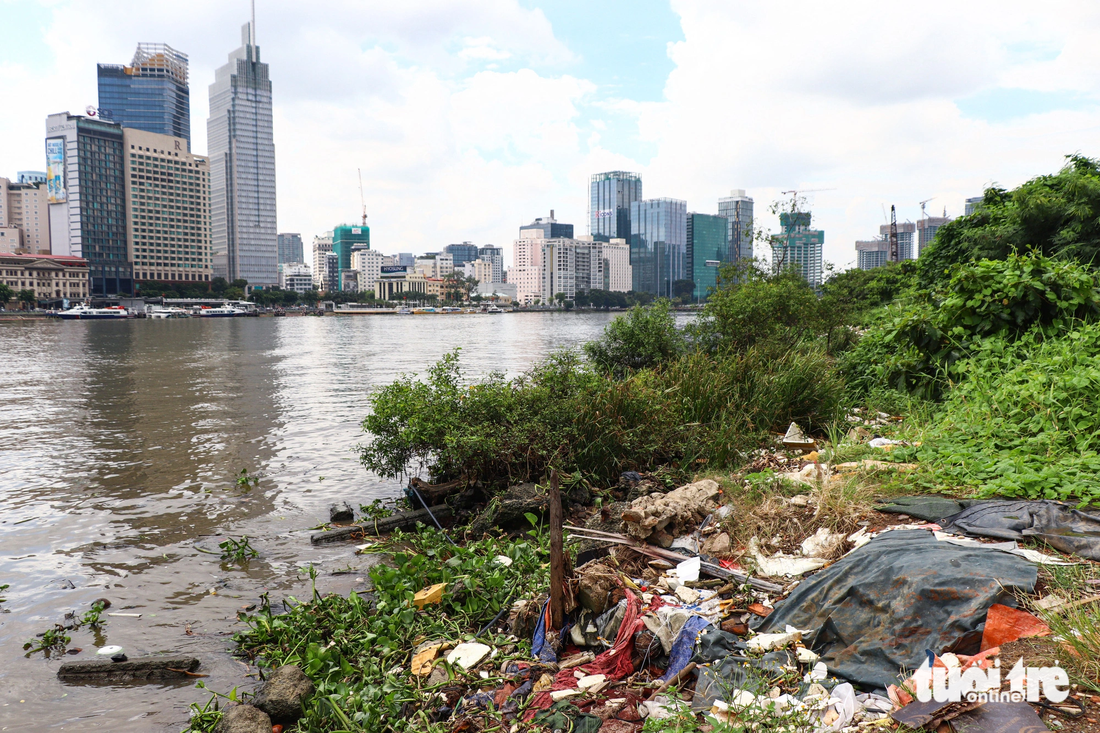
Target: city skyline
x=427, y=109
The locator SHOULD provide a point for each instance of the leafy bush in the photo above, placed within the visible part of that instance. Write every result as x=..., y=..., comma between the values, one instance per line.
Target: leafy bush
x=915, y=347
x=1025, y=421
x=698, y=409
x=1057, y=215
x=645, y=337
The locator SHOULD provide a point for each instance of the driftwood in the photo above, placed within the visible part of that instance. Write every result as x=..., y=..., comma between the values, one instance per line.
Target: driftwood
x=377, y=527
x=140, y=669
x=434, y=493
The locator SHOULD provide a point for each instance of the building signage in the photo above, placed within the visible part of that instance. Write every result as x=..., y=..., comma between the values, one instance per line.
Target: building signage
x=605, y=213
x=386, y=269
x=356, y=230
x=55, y=170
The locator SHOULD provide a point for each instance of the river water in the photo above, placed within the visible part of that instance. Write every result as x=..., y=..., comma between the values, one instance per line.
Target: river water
x=121, y=445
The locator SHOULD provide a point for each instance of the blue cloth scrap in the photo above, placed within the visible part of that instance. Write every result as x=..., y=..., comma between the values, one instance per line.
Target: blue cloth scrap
x=539, y=648
x=684, y=646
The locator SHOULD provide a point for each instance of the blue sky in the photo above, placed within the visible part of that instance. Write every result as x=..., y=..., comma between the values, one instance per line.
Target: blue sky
x=469, y=118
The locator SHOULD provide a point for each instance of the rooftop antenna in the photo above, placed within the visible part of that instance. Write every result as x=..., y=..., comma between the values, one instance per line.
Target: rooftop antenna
x=361, y=199
x=252, y=28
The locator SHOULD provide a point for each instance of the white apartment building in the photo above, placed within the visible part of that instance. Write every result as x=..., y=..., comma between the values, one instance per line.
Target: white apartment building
x=617, y=273
x=368, y=263
x=546, y=267
x=322, y=248
x=24, y=218
x=295, y=276
x=480, y=270
x=438, y=265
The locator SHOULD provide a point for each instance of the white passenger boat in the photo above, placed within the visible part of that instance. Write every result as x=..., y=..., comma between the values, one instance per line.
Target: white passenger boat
x=221, y=312
x=168, y=313
x=84, y=312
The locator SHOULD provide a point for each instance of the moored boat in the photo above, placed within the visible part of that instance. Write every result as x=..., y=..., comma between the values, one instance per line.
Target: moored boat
x=84, y=312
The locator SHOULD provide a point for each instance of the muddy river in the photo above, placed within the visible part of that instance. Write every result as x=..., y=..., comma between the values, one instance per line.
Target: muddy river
x=121, y=446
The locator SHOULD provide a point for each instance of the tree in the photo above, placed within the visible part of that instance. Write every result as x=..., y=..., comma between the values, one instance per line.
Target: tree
x=27, y=297
x=470, y=284
x=240, y=283
x=310, y=297
x=234, y=293
x=684, y=290
x=1057, y=215
x=643, y=338
x=560, y=297
x=6, y=294
x=219, y=285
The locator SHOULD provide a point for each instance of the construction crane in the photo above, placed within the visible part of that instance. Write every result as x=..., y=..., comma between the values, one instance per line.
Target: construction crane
x=922, y=205
x=894, y=253
x=362, y=200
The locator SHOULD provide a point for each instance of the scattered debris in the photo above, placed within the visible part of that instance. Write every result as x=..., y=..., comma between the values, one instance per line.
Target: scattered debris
x=1060, y=525
x=468, y=655
x=431, y=594
x=662, y=518
x=374, y=527
x=795, y=439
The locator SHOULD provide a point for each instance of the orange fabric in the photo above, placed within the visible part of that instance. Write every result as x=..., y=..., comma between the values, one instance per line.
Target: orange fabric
x=1004, y=624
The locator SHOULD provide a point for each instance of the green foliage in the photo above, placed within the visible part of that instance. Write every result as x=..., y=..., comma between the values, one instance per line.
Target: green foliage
x=1057, y=215
x=916, y=347
x=377, y=509
x=247, y=481
x=645, y=337
x=357, y=653
x=753, y=306
x=1024, y=422
x=695, y=410
x=56, y=638
x=237, y=550
x=6, y=294
x=27, y=297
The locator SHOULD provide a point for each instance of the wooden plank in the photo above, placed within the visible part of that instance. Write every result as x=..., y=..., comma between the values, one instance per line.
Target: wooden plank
x=557, y=561
x=142, y=668
x=401, y=520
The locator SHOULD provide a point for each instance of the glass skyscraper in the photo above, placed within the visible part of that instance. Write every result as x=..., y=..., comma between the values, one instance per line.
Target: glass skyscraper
x=707, y=249
x=610, y=196
x=737, y=209
x=151, y=94
x=290, y=248
x=462, y=253
x=658, y=244
x=242, y=168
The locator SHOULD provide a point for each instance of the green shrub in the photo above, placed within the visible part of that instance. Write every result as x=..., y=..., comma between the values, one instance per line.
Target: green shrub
x=915, y=347
x=1025, y=421
x=645, y=337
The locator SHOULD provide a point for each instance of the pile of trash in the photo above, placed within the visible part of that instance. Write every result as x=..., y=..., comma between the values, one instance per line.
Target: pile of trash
x=845, y=634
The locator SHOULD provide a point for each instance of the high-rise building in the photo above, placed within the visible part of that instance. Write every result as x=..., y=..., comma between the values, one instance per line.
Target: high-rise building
x=150, y=94
x=480, y=270
x=495, y=255
x=610, y=196
x=322, y=248
x=24, y=217
x=86, y=192
x=31, y=177
x=167, y=209
x=973, y=204
x=368, y=263
x=737, y=210
x=872, y=253
x=658, y=244
x=435, y=264
x=345, y=238
x=708, y=248
x=926, y=231
x=242, y=168
x=906, y=230
x=461, y=253
x=290, y=248
x=799, y=246
x=546, y=227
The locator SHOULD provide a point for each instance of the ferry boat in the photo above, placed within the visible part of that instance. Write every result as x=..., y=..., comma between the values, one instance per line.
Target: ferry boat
x=222, y=312
x=84, y=312
x=451, y=309
x=494, y=309
x=167, y=313
x=404, y=311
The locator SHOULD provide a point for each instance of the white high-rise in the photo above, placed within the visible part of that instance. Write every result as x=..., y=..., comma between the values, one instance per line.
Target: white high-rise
x=242, y=168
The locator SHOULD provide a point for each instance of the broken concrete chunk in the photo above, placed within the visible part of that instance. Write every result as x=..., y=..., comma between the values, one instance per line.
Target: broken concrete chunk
x=341, y=512
x=142, y=668
x=468, y=655
x=557, y=695
x=687, y=595
x=283, y=694
x=718, y=546
x=661, y=518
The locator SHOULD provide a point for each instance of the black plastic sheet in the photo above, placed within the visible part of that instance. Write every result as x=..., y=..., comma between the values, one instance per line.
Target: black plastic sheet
x=1061, y=526
x=876, y=611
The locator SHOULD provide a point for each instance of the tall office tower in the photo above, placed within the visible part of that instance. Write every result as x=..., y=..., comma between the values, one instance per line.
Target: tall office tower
x=290, y=248
x=462, y=253
x=242, y=168
x=926, y=231
x=737, y=209
x=658, y=244
x=973, y=204
x=344, y=238
x=86, y=192
x=799, y=246
x=906, y=231
x=708, y=249
x=150, y=94
x=168, y=209
x=494, y=255
x=546, y=227
x=610, y=196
